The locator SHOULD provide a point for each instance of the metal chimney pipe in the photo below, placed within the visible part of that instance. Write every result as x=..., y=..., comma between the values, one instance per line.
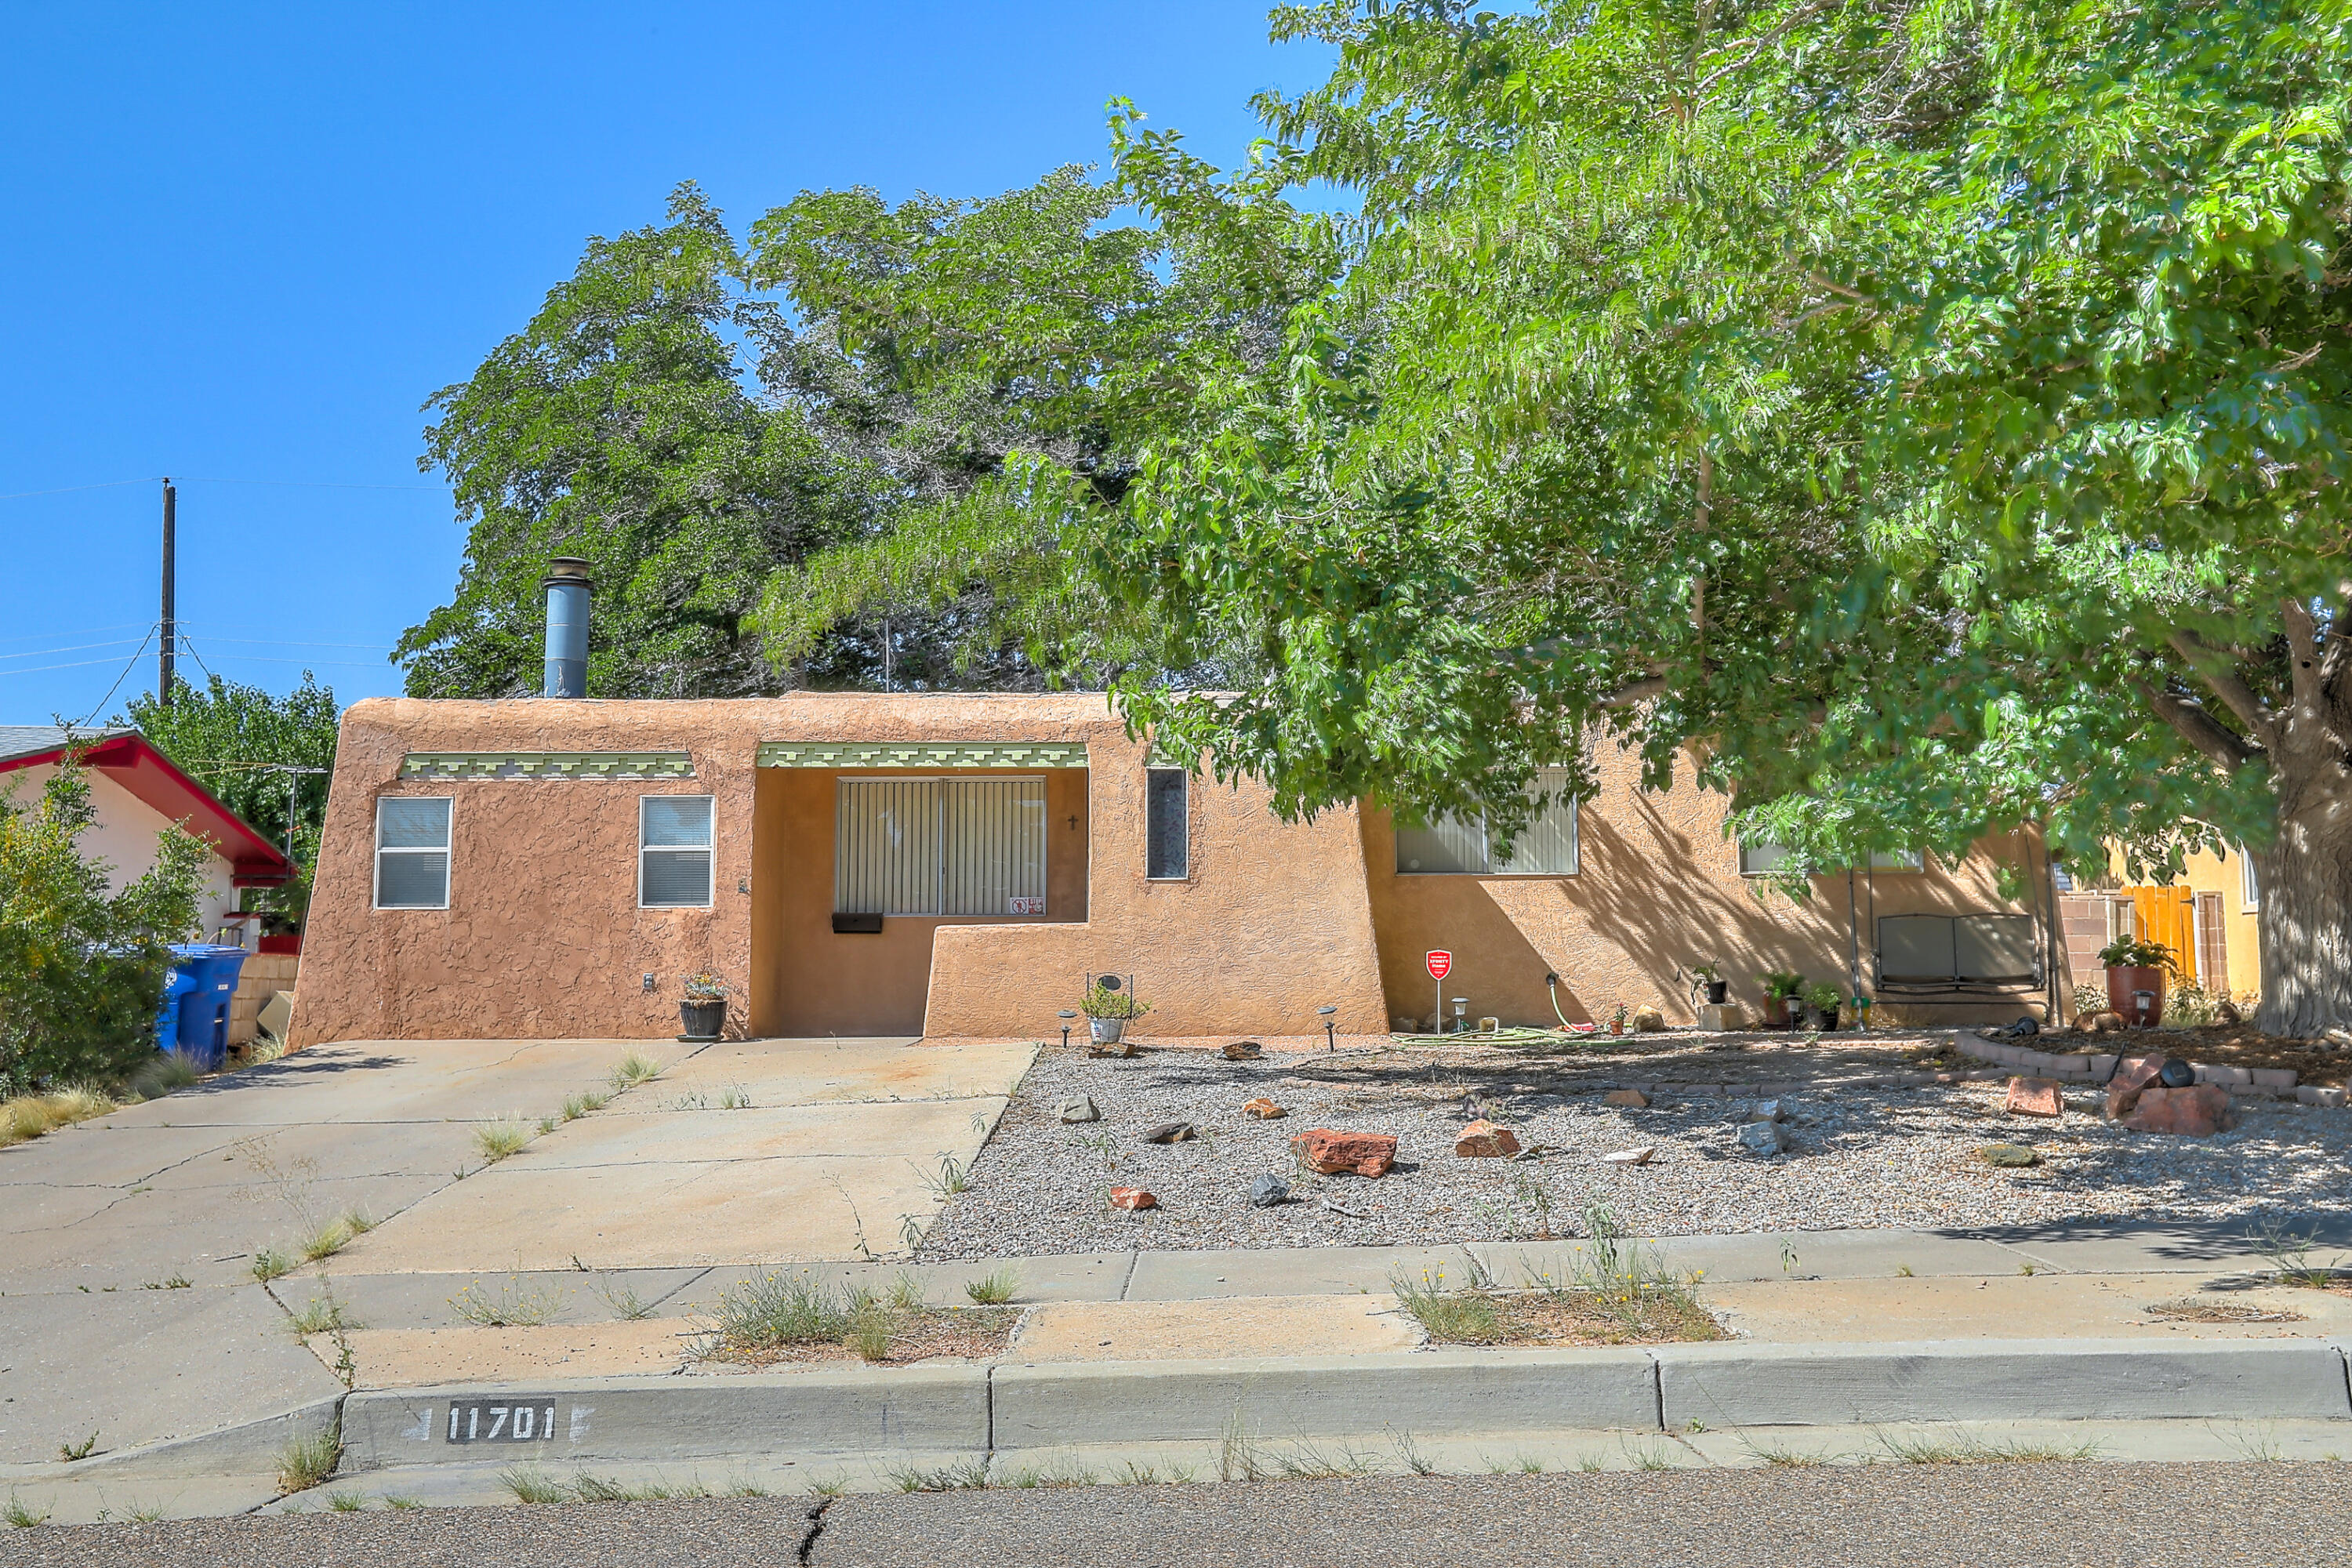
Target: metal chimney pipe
x=567, y=587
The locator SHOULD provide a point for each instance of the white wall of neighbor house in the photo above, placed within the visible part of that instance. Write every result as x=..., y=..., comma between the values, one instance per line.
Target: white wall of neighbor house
x=124, y=836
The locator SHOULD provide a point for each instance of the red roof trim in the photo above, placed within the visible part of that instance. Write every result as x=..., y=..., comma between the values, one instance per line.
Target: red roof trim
x=150, y=777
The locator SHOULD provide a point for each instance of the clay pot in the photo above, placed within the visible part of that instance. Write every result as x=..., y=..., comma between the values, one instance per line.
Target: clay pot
x=2122, y=982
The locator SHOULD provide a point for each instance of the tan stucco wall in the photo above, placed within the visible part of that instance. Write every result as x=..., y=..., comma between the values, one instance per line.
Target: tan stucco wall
x=1273, y=922
x=543, y=936
x=807, y=980
x=1657, y=886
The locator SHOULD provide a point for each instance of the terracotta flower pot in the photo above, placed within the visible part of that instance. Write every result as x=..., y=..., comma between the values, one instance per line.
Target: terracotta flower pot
x=2121, y=984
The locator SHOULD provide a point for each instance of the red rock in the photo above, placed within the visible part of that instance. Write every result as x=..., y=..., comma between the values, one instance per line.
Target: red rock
x=1482, y=1140
x=1132, y=1198
x=1329, y=1153
x=1633, y=1097
x=2035, y=1097
x=2133, y=1074
x=1245, y=1051
x=2197, y=1112
x=1264, y=1110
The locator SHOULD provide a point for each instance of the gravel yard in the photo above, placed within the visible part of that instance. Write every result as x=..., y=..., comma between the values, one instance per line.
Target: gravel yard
x=1869, y=1149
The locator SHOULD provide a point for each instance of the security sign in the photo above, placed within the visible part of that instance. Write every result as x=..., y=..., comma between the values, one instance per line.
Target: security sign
x=1440, y=963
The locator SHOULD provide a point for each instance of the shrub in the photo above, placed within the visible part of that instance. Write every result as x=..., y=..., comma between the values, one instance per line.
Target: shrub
x=81, y=968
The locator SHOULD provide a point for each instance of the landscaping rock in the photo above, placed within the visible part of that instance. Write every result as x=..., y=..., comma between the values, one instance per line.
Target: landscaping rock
x=1116, y=1049
x=1264, y=1110
x=2132, y=1075
x=1630, y=1156
x=1766, y=1137
x=1131, y=1198
x=2105, y=1023
x=2008, y=1156
x=2197, y=1112
x=1634, y=1099
x=1767, y=1111
x=1648, y=1021
x=1080, y=1108
x=1269, y=1192
x=2035, y=1097
x=1245, y=1051
x=1330, y=1153
x=1168, y=1132
x=1484, y=1141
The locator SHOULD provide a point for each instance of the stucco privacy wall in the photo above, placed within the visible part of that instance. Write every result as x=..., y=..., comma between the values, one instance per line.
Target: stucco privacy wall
x=1657, y=886
x=1271, y=922
x=543, y=936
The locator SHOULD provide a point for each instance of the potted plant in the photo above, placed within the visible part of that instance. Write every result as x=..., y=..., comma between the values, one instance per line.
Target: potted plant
x=2136, y=972
x=703, y=1012
x=1822, y=998
x=1109, y=1007
x=1706, y=980
x=1783, y=997
x=1617, y=1018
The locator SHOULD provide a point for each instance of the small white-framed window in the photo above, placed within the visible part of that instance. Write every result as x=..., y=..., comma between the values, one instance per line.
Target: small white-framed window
x=412, y=851
x=2250, y=884
x=674, y=851
x=1167, y=824
x=1761, y=856
x=1458, y=844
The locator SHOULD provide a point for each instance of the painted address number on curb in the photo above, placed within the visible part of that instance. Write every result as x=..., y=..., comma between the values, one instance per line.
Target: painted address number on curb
x=500, y=1421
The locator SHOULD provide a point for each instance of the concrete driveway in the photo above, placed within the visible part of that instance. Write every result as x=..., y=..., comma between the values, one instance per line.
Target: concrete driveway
x=126, y=1242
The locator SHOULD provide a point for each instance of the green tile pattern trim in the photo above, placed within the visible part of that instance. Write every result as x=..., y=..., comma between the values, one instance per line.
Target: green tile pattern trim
x=547, y=765
x=922, y=753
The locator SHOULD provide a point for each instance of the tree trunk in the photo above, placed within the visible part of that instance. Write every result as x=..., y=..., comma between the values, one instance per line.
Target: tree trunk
x=2307, y=898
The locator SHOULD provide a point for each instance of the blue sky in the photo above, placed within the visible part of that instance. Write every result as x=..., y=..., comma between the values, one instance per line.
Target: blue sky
x=244, y=244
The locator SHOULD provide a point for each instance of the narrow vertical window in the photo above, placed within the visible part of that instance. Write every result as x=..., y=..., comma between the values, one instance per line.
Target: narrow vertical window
x=674, y=851
x=411, y=852
x=1167, y=852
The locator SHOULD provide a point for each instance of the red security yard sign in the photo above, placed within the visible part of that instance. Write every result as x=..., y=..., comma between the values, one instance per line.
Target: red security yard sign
x=1440, y=963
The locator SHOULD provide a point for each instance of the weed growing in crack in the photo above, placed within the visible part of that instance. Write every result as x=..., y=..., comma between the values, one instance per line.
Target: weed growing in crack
x=511, y=1306
x=500, y=1139
x=21, y=1516
x=632, y=1070
x=1449, y=1317
x=305, y=1462
x=623, y=1302
x=994, y=1287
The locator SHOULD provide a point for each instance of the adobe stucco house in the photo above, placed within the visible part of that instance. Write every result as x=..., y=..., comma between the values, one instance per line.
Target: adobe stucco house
x=956, y=866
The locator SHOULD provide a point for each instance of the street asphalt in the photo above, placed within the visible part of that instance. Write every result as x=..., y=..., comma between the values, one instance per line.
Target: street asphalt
x=1922, y=1516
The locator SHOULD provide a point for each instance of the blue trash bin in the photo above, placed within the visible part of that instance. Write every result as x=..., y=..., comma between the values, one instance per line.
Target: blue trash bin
x=203, y=1012
x=177, y=982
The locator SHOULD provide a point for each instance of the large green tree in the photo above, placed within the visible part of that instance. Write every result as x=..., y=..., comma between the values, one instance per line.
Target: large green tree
x=1936, y=414
x=619, y=426
x=265, y=758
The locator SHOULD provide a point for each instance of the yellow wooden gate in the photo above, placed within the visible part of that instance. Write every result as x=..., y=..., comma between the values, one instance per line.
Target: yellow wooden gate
x=2169, y=915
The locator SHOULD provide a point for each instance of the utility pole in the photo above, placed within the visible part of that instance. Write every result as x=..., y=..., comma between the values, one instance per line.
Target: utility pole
x=171, y=572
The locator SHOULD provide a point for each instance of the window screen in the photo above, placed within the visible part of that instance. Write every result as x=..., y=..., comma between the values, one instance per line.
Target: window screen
x=674, y=851
x=1167, y=824
x=1545, y=846
x=1762, y=856
x=411, y=852
x=2250, y=888
x=940, y=847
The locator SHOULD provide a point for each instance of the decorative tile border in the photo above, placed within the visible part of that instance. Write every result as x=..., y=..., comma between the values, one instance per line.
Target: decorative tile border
x=547, y=765
x=922, y=753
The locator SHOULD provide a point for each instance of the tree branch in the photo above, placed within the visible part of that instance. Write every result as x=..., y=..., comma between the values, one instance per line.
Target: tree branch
x=2213, y=667
x=2335, y=656
x=2199, y=728
x=2303, y=652
x=1633, y=691
x=1702, y=519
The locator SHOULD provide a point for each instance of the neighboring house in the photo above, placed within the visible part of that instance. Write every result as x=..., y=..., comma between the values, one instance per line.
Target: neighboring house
x=136, y=793
x=957, y=866
x=2209, y=917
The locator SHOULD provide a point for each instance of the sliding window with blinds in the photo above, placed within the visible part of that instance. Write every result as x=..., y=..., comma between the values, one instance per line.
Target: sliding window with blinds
x=940, y=847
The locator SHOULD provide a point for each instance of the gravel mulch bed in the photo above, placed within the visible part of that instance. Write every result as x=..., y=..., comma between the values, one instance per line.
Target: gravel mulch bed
x=1874, y=1147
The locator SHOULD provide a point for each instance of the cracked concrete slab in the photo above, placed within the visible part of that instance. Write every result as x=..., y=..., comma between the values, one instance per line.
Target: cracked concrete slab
x=143, y=1366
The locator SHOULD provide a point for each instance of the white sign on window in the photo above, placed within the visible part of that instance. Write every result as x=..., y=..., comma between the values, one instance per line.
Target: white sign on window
x=1028, y=907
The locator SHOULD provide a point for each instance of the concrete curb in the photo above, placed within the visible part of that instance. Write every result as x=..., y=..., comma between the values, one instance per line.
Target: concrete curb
x=1320, y=1397
x=1999, y=1380
x=251, y=1447
x=831, y=1411
x=1034, y=1408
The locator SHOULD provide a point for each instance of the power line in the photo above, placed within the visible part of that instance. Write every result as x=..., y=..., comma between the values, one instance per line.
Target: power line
x=70, y=490
x=74, y=648
x=81, y=631
x=80, y=663
x=318, y=485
